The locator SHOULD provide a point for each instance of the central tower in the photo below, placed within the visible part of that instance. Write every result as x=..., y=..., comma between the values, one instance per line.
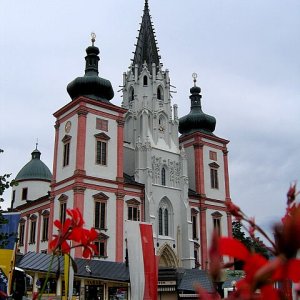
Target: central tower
x=151, y=149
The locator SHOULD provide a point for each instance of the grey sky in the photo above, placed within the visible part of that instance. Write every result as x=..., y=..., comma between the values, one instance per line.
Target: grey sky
x=246, y=54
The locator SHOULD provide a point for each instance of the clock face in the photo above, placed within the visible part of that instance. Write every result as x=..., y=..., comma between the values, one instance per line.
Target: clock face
x=68, y=126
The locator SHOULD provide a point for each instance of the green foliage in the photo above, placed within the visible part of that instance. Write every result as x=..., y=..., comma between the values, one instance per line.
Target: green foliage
x=254, y=245
x=5, y=184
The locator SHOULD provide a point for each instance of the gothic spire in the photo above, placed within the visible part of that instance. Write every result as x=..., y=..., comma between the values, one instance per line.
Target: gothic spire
x=146, y=48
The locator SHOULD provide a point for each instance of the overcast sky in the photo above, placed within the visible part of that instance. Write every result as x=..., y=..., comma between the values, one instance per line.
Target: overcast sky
x=245, y=52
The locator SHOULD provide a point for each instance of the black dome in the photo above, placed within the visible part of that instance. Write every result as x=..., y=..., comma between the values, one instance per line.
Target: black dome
x=91, y=85
x=196, y=120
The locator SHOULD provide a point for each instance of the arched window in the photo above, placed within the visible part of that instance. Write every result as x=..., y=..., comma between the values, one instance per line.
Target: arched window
x=145, y=80
x=166, y=222
x=131, y=94
x=163, y=176
x=160, y=93
x=160, y=221
x=165, y=218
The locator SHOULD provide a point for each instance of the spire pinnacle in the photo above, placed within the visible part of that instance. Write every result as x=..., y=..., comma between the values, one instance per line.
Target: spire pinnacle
x=146, y=46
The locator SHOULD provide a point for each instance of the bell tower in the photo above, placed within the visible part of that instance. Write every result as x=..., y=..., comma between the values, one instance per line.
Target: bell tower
x=151, y=148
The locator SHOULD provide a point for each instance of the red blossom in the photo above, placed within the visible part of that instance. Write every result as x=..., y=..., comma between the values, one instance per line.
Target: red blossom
x=291, y=194
x=87, y=241
x=234, y=209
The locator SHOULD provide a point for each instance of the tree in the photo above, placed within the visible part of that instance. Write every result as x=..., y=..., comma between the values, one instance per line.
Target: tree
x=253, y=244
x=5, y=183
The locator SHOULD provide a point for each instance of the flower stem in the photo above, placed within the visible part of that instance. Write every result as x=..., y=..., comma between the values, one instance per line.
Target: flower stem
x=47, y=278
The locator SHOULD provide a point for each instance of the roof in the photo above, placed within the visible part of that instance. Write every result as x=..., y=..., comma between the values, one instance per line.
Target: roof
x=35, y=169
x=146, y=49
x=194, y=277
x=105, y=270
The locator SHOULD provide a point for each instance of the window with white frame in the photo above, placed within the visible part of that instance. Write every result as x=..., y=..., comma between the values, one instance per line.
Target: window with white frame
x=66, y=150
x=63, y=199
x=21, y=232
x=133, y=210
x=217, y=218
x=100, y=207
x=33, y=219
x=101, y=148
x=214, y=176
x=45, y=215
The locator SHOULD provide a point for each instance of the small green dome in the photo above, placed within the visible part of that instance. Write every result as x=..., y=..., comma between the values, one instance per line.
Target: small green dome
x=35, y=169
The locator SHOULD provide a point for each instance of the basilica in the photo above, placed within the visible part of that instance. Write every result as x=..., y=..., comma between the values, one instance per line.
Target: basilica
x=138, y=162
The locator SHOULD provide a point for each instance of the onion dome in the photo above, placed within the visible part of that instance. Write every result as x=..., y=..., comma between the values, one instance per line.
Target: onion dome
x=35, y=169
x=196, y=120
x=91, y=85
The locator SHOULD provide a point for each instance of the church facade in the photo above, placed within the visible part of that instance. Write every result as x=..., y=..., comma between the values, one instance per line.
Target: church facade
x=135, y=162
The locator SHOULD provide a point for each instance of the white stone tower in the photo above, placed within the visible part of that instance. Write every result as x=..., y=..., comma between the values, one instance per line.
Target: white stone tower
x=151, y=151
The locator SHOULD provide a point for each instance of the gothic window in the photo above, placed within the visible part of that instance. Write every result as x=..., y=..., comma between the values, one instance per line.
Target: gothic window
x=145, y=80
x=66, y=150
x=45, y=215
x=24, y=193
x=166, y=222
x=21, y=232
x=214, y=179
x=131, y=94
x=164, y=218
x=62, y=208
x=100, y=208
x=217, y=216
x=33, y=219
x=160, y=95
x=133, y=209
x=194, y=214
x=163, y=176
x=101, y=245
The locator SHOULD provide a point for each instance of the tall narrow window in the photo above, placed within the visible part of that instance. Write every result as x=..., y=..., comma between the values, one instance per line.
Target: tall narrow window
x=165, y=218
x=101, y=245
x=101, y=153
x=166, y=222
x=131, y=94
x=100, y=213
x=160, y=221
x=163, y=176
x=214, y=178
x=145, y=80
x=194, y=223
x=160, y=93
x=66, y=150
x=24, y=193
x=133, y=207
x=217, y=217
x=45, y=225
x=21, y=232
x=100, y=207
x=33, y=219
x=101, y=148
x=63, y=210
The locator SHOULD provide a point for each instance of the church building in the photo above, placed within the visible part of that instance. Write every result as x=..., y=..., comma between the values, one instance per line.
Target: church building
x=135, y=162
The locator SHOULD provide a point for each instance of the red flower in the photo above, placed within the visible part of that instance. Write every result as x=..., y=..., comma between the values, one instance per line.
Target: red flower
x=291, y=194
x=87, y=241
x=234, y=209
